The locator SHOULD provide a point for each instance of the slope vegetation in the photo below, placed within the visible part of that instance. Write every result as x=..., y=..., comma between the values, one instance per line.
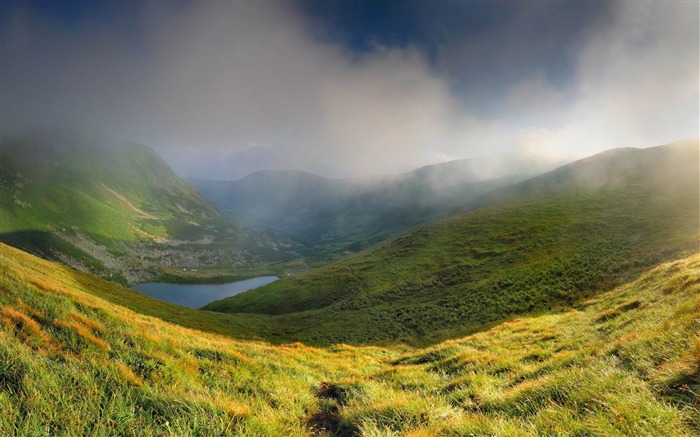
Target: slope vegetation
x=72, y=363
x=113, y=208
x=626, y=362
x=566, y=234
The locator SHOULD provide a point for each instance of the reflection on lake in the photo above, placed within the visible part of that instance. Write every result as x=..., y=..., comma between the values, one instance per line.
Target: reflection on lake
x=198, y=295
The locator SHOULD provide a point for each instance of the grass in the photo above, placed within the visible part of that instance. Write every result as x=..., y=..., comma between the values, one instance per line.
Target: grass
x=567, y=372
x=625, y=362
x=107, y=192
x=73, y=363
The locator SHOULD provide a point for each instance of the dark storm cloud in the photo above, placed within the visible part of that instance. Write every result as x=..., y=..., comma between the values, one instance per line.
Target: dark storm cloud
x=480, y=47
x=223, y=88
x=521, y=40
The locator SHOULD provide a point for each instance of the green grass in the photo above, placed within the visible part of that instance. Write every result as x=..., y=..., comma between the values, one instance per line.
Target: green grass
x=72, y=362
x=62, y=182
x=539, y=250
x=625, y=362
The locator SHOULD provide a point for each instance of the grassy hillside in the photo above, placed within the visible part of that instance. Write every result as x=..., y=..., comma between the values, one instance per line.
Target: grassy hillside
x=113, y=208
x=546, y=247
x=105, y=188
x=72, y=363
x=626, y=362
x=613, y=169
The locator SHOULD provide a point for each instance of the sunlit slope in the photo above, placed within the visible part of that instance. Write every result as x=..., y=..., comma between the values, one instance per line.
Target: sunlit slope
x=113, y=208
x=542, y=248
x=625, y=362
x=106, y=188
x=72, y=363
x=665, y=166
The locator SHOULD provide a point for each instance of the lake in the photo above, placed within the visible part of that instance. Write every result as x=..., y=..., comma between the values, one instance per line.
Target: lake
x=198, y=295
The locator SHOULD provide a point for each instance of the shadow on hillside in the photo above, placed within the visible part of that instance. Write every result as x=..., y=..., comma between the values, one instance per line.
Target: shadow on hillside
x=309, y=327
x=39, y=243
x=49, y=246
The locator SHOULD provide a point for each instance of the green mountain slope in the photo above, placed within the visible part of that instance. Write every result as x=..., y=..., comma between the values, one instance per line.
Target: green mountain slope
x=72, y=362
x=113, y=208
x=612, y=169
x=545, y=247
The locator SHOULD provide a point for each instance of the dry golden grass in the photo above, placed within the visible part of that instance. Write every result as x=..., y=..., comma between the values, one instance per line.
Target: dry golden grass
x=74, y=363
x=86, y=322
x=26, y=327
x=84, y=332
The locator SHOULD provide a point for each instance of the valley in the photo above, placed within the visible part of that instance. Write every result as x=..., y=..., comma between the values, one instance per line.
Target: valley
x=336, y=217
x=549, y=241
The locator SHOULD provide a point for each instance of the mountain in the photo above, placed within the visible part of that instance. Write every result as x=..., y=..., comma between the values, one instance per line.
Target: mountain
x=346, y=215
x=294, y=202
x=114, y=208
x=609, y=170
x=542, y=243
x=79, y=356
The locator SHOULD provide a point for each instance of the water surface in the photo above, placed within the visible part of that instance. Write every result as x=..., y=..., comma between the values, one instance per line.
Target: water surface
x=198, y=295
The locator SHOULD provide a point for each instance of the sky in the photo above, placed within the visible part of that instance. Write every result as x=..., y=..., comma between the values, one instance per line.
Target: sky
x=353, y=88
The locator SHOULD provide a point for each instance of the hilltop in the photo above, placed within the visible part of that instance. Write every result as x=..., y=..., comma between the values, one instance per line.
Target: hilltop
x=544, y=242
x=116, y=209
x=73, y=362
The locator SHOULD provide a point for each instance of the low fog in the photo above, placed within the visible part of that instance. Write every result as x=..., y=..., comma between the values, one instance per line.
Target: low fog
x=221, y=89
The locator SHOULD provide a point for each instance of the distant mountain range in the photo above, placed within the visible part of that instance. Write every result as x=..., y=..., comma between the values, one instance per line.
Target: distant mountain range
x=346, y=215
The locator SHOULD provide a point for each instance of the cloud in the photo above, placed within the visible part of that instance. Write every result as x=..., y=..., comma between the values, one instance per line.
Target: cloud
x=223, y=88
x=276, y=87
x=639, y=79
x=212, y=77
x=636, y=84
